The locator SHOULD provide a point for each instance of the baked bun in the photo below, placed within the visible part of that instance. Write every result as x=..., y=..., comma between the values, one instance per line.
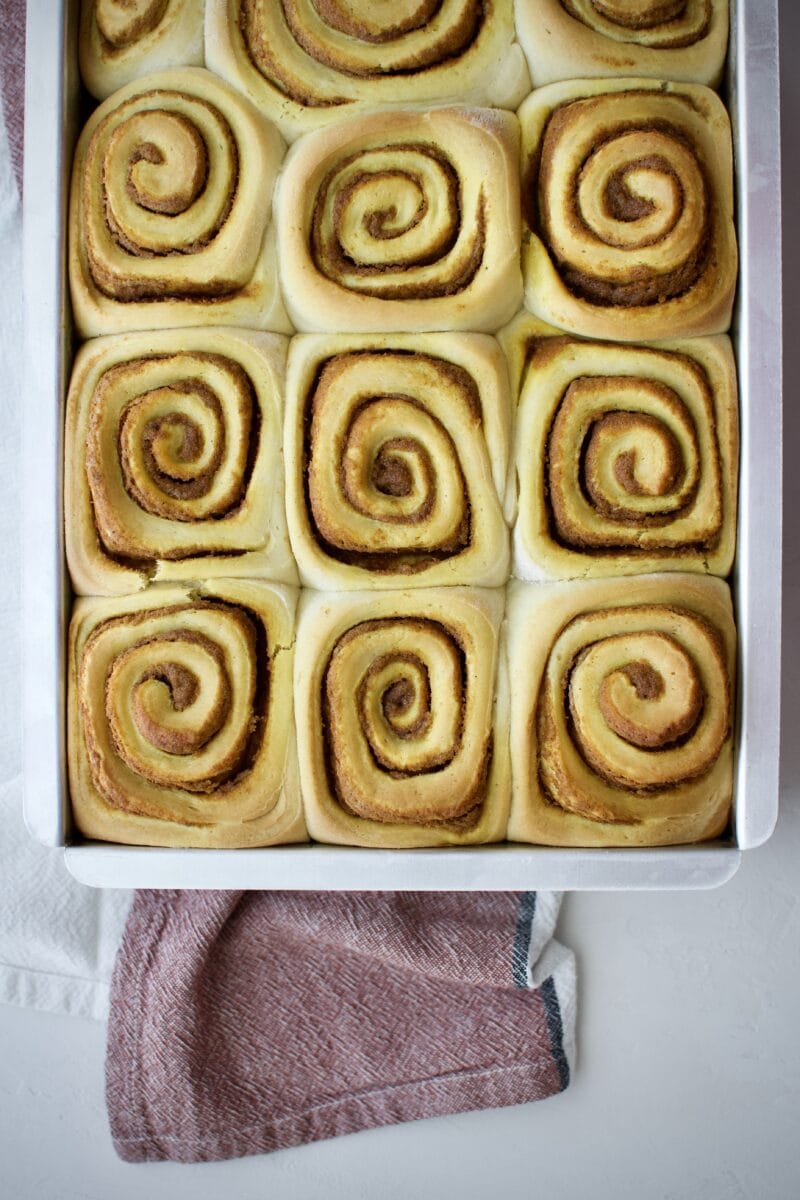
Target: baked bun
x=173, y=463
x=119, y=40
x=622, y=710
x=625, y=457
x=180, y=717
x=628, y=196
x=402, y=221
x=397, y=450
x=306, y=64
x=402, y=717
x=663, y=39
x=170, y=208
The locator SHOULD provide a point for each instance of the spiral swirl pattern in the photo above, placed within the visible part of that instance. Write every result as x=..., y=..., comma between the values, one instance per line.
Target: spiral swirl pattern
x=629, y=199
x=177, y=160
x=182, y=733
x=416, y=210
x=396, y=729
x=175, y=436
x=626, y=459
x=384, y=471
x=660, y=24
x=389, y=222
x=170, y=203
x=636, y=701
x=633, y=199
x=304, y=61
x=123, y=39
x=393, y=463
x=641, y=465
x=356, y=39
x=171, y=710
x=395, y=703
x=173, y=460
x=621, y=710
x=170, y=703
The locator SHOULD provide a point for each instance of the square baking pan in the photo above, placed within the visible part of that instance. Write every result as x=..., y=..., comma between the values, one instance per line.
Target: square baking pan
x=53, y=118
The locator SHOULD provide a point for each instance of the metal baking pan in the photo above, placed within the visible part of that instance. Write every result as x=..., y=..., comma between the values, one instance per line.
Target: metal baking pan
x=53, y=120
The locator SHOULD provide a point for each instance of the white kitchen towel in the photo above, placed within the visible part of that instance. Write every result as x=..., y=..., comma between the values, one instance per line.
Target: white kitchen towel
x=57, y=938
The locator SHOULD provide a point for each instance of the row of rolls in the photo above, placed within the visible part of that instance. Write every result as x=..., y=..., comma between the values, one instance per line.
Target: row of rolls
x=606, y=203
x=306, y=63
x=379, y=461
x=588, y=713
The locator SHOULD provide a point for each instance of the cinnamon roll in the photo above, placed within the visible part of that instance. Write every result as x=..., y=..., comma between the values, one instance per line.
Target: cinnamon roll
x=663, y=39
x=397, y=458
x=405, y=221
x=628, y=196
x=401, y=730
x=170, y=208
x=122, y=39
x=306, y=63
x=625, y=457
x=180, y=717
x=173, y=463
x=621, y=711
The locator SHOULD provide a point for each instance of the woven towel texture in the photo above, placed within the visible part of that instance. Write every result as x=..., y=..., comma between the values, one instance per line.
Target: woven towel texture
x=246, y=1022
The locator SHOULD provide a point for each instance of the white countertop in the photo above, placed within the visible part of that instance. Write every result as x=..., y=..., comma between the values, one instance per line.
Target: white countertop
x=688, y=1077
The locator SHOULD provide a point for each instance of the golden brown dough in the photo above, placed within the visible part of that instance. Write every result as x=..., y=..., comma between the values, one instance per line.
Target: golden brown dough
x=122, y=39
x=170, y=208
x=397, y=458
x=622, y=710
x=626, y=457
x=663, y=39
x=173, y=463
x=402, y=221
x=180, y=717
x=307, y=63
x=628, y=197
x=401, y=731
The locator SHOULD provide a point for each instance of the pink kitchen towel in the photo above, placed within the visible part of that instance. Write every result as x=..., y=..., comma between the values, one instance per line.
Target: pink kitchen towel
x=245, y=1022
x=12, y=78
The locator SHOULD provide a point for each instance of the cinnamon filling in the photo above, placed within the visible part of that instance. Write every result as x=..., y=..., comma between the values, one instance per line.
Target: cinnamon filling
x=335, y=195
x=122, y=23
x=284, y=46
x=156, y=728
x=653, y=24
x=390, y=708
x=373, y=468
x=635, y=714
x=172, y=147
x=626, y=468
x=159, y=452
x=640, y=14
x=619, y=206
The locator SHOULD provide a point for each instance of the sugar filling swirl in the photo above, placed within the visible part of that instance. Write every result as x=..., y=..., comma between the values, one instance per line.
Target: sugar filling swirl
x=159, y=185
x=390, y=221
x=635, y=702
x=629, y=469
x=384, y=484
x=396, y=724
x=357, y=40
x=185, y=695
x=658, y=24
x=622, y=202
x=171, y=445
